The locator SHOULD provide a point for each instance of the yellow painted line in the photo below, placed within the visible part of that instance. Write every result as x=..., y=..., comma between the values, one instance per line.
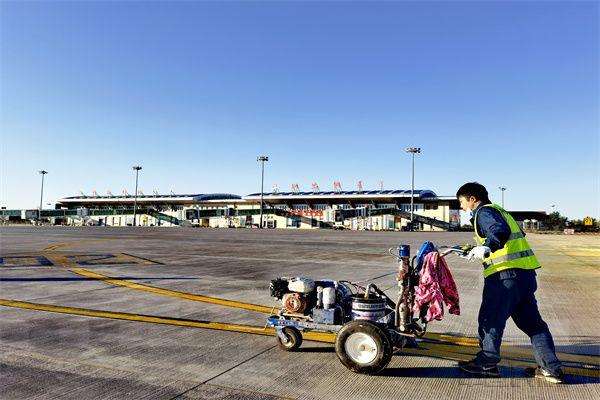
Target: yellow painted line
x=236, y=304
x=167, y=292
x=58, y=246
x=66, y=244
x=445, y=340
x=315, y=336
x=59, y=259
x=73, y=259
x=459, y=340
x=432, y=349
x=510, y=352
x=506, y=350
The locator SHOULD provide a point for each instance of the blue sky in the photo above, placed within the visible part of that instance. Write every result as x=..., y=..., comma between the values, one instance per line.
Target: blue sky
x=505, y=93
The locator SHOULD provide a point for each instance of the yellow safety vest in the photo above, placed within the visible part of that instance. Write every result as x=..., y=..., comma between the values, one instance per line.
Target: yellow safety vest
x=516, y=253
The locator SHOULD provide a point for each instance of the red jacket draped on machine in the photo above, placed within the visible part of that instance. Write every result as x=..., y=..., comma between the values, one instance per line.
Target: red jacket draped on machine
x=436, y=286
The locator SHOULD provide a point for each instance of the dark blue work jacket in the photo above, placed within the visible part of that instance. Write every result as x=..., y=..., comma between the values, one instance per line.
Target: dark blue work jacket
x=492, y=226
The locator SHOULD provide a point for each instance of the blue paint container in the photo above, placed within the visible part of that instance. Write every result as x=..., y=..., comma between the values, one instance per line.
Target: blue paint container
x=404, y=250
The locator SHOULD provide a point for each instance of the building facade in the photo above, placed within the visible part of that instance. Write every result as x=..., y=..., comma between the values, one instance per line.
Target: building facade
x=355, y=210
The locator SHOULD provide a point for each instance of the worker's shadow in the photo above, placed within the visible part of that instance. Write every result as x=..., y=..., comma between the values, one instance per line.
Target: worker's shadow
x=456, y=373
x=586, y=348
x=453, y=372
x=424, y=372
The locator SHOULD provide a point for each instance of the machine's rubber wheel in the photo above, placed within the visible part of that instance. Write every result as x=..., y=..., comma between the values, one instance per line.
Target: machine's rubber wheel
x=363, y=347
x=294, y=339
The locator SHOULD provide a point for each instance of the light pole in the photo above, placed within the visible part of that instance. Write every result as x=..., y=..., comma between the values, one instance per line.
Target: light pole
x=502, y=189
x=137, y=169
x=42, y=172
x=412, y=150
x=262, y=159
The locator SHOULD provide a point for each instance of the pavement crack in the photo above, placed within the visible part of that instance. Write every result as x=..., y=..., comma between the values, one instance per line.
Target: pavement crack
x=62, y=295
x=224, y=372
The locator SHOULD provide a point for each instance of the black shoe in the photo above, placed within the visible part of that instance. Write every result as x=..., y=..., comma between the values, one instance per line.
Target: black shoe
x=411, y=343
x=473, y=367
x=463, y=362
x=539, y=372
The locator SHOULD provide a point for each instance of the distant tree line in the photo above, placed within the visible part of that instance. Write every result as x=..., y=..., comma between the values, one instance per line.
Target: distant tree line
x=555, y=221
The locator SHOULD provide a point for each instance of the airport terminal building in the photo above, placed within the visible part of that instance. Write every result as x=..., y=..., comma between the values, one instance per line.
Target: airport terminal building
x=356, y=210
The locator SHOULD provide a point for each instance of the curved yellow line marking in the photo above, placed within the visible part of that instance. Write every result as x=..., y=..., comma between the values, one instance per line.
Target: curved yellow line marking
x=315, y=336
x=58, y=246
x=442, y=341
x=433, y=350
x=167, y=292
x=66, y=244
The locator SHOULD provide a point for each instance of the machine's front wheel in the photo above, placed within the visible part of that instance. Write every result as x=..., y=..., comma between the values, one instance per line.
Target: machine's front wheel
x=363, y=347
x=293, y=337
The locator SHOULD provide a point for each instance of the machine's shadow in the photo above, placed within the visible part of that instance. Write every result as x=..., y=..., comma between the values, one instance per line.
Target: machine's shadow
x=316, y=350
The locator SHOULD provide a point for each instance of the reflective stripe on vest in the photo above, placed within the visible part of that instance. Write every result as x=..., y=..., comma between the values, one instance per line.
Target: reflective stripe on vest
x=516, y=235
x=516, y=253
x=508, y=257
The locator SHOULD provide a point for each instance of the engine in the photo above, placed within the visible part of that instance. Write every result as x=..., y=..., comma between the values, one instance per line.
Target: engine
x=296, y=294
x=325, y=302
x=294, y=302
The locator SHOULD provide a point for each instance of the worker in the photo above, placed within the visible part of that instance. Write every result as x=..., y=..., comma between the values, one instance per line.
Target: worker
x=509, y=266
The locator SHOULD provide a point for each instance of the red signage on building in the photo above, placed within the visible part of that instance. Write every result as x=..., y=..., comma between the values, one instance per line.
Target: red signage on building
x=308, y=213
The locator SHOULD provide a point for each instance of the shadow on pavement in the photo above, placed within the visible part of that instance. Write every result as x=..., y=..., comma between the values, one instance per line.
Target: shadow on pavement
x=316, y=350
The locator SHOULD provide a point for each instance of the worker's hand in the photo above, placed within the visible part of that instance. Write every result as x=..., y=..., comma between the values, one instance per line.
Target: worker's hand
x=479, y=253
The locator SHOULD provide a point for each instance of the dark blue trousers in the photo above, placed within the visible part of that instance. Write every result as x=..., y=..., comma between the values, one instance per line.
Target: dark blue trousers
x=510, y=294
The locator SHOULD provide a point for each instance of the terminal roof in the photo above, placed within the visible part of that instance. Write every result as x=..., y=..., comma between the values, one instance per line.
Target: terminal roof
x=161, y=197
x=348, y=193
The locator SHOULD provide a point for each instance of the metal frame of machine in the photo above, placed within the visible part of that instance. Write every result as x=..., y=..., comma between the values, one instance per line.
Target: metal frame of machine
x=369, y=326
